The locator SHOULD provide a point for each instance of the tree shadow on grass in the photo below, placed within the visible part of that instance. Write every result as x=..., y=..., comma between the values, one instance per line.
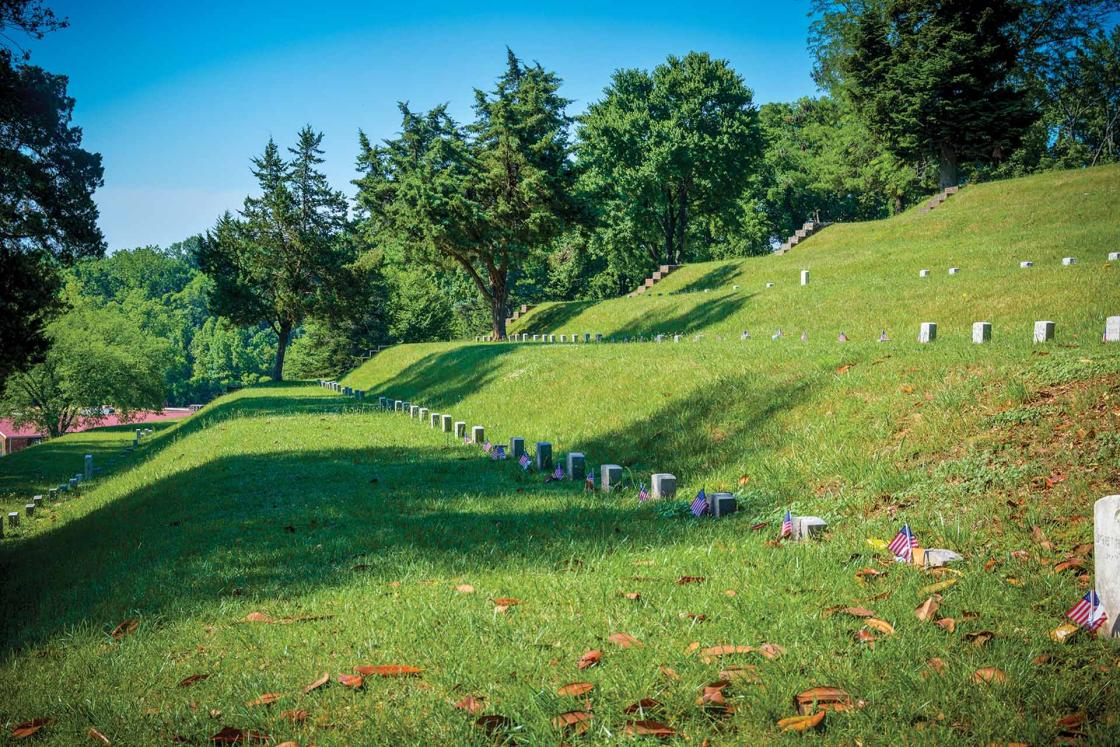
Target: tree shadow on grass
x=276, y=526
x=717, y=277
x=552, y=318
x=669, y=320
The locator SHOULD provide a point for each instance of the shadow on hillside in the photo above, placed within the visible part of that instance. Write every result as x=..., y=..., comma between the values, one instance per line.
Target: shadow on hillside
x=717, y=277
x=553, y=318
x=443, y=379
x=274, y=527
x=669, y=321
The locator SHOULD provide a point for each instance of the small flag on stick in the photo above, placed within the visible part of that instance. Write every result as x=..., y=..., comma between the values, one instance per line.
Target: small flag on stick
x=524, y=461
x=699, y=505
x=643, y=494
x=903, y=544
x=1088, y=612
x=498, y=453
x=487, y=447
x=589, y=484
x=558, y=473
x=787, y=525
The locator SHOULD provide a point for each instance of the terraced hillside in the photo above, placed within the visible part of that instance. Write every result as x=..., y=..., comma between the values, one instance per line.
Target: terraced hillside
x=284, y=532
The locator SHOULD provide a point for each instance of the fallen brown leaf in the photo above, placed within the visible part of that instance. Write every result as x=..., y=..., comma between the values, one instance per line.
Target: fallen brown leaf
x=97, y=736
x=575, y=722
x=713, y=651
x=465, y=589
x=669, y=672
x=494, y=723
x=350, y=680
x=927, y=609
x=388, y=670
x=265, y=699
x=745, y=673
x=825, y=698
x=575, y=688
x=230, y=735
x=324, y=679
x=259, y=617
x=29, y=728
x=865, y=636
x=936, y=664
x=771, y=650
x=991, y=675
x=296, y=715
x=643, y=705
x=506, y=602
x=633, y=596
x=127, y=627
x=948, y=623
x=858, y=612
x=590, y=659
x=801, y=723
x=691, y=580
x=649, y=729
x=625, y=640
x=881, y=625
x=980, y=637
x=188, y=681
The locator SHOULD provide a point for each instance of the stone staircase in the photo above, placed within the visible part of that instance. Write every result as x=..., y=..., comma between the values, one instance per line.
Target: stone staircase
x=938, y=199
x=518, y=314
x=662, y=272
x=807, y=229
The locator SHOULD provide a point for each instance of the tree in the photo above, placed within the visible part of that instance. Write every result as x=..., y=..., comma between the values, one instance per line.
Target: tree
x=98, y=358
x=285, y=255
x=47, y=214
x=668, y=156
x=478, y=198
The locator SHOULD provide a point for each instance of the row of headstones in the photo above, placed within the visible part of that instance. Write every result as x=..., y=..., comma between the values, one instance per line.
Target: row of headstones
x=1043, y=331
x=662, y=484
x=71, y=485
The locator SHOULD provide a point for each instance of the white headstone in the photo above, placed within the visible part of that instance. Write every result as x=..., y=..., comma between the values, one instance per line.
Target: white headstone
x=954, y=270
x=423, y=414
x=460, y=429
x=610, y=475
x=923, y=273
x=1106, y=553
x=981, y=332
x=1026, y=263
x=89, y=466
x=769, y=285
x=1113, y=256
x=577, y=466
x=676, y=338
x=1112, y=329
x=445, y=423
x=1069, y=261
x=1043, y=331
x=664, y=485
x=478, y=434
x=927, y=332
x=544, y=456
x=808, y=527
x=804, y=277
x=935, y=557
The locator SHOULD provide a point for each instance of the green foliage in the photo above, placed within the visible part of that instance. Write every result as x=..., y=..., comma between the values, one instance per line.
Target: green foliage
x=665, y=157
x=47, y=214
x=97, y=358
x=286, y=256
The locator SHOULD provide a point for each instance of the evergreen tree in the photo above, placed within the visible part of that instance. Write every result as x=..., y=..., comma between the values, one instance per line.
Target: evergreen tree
x=286, y=255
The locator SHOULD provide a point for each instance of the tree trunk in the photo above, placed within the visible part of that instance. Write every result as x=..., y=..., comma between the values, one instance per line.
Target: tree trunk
x=498, y=299
x=682, y=224
x=281, y=350
x=947, y=167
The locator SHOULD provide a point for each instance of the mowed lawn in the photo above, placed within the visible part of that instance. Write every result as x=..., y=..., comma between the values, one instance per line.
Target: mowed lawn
x=360, y=534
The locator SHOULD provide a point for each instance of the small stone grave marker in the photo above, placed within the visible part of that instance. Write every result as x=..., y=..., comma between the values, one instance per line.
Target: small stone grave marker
x=610, y=476
x=927, y=332
x=1026, y=263
x=923, y=273
x=13, y=519
x=478, y=434
x=577, y=466
x=981, y=332
x=460, y=429
x=664, y=485
x=516, y=447
x=808, y=527
x=1067, y=261
x=89, y=466
x=1112, y=329
x=1106, y=554
x=1043, y=331
x=722, y=504
x=446, y=425
x=424, y=415
x=544, y=456
x=804, y=277
x=954, y=270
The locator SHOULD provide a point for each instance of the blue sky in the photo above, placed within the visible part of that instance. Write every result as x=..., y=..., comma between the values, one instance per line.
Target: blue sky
x=178, y=96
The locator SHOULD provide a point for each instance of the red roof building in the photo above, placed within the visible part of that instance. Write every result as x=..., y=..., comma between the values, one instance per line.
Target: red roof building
x=13, y=439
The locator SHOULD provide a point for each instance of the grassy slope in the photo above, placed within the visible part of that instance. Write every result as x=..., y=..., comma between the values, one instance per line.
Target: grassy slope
x=975, y=446
x=865, y=275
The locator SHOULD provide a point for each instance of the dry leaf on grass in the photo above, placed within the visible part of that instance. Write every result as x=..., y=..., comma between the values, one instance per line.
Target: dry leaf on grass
x=947, y=623
x=127, y=627
x=771, y=650
x=669, y=672
x=590, y=659
x=265, y=699
x=494, y=723
x=324, y=679
x=353, y=681
x=858, y=612
x=230, y=735
x=746, y=673
x=936, y=664
x=574, y=722
x=980, y=637
x=465, y=589
x=388, y=670
x=296, y=715
x=649, y=729
x=927, y=609
x=97, y=736
x=470, y=704
x=188, y=681
x=575, y=688
x=801, y=723
x=691, y=580
x=939, y=586
x=989, y=675
x=27, y=729
x=865, y=636
x=633, y=596
x=643, y=705
x=1062, y=633
x=625, y=640
x=825, y=698
x=881, y=625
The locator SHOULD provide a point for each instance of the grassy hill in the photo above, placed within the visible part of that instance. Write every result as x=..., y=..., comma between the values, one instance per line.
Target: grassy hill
x=359, y=533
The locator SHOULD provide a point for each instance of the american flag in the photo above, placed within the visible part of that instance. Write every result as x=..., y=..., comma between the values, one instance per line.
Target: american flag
x=699, y=505
x=467, y=440
x=589, y=485
x=558, y=473
x=787, y=525
x=1088, y=612
x=643, y=494
x=883, y=336
x=524, y=461
x=903, y=543
x=498, y=454
x=487, y=446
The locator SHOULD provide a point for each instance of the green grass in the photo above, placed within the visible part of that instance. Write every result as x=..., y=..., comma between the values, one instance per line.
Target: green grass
x=296, y=503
